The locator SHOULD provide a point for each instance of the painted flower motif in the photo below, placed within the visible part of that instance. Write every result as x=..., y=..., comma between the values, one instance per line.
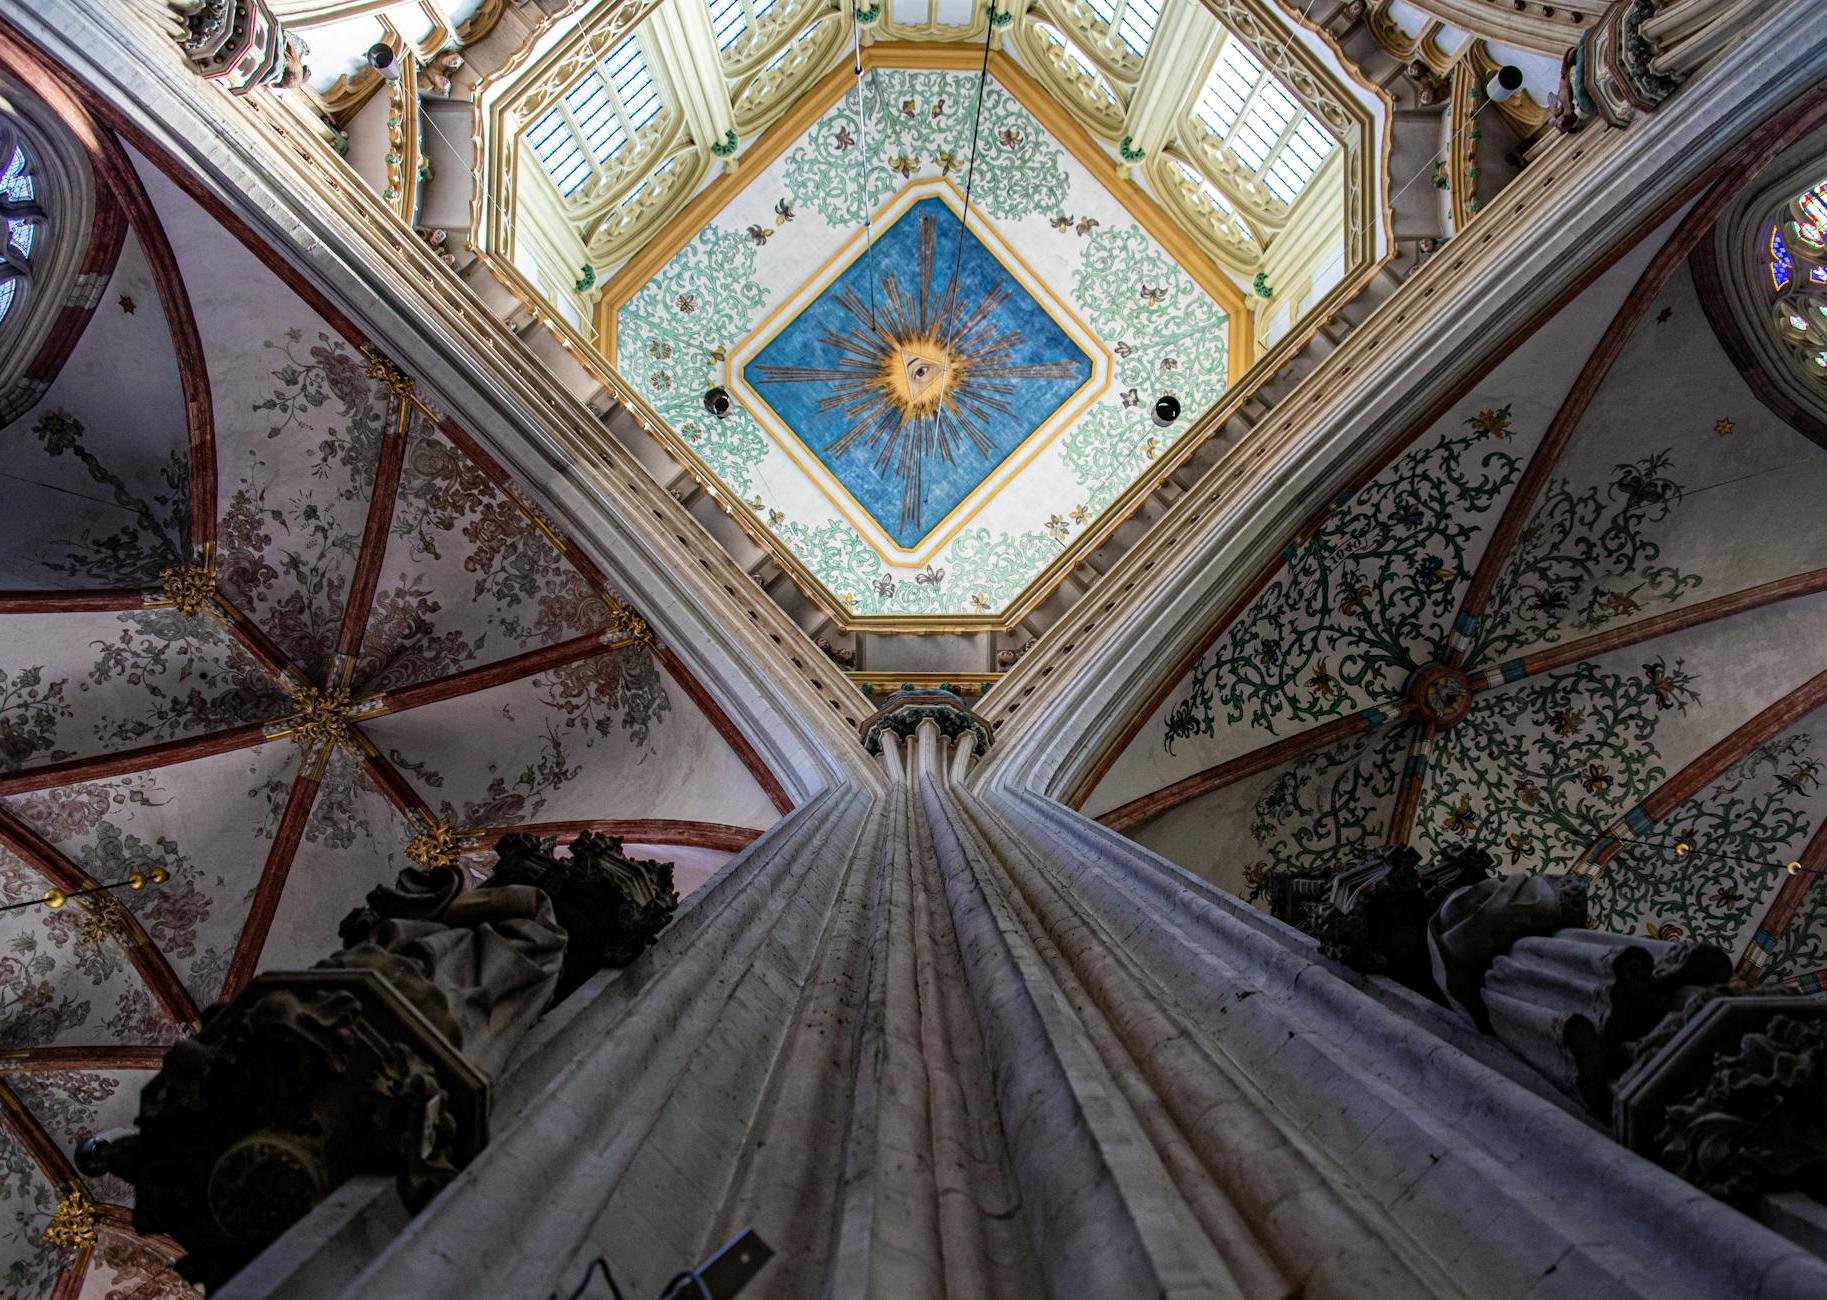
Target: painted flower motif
x=755, y=503
x=1664, y=686
x=1268, y=652
x=1151, y=295
x=1528, y=794
x=903, y=164
x=1354, y=592
x=1521, y=845
x=979, y=605
x=1130, y=398
x=760, y=234
x=1324, y=684
x=1618, y=604
x=662, y=381
x=1432, y=571
x=1080, y=513
x=1124, y=349
x=783, y=210
x=659, y=349
x=1723, y=427
x=1460, y=819
x=842, y=140
x=1549, y=599
x=885, y=586
x=1596, y=778
x=938, y=109
x=1492, y=422
x=58, y=431
x=1257, y=876
x=1668, y=932
x=848, y=598
x=909, y=107
x=1800, y=776
x=1568, y=721
x=1061, y=222
x=1009, y=138
x=1057, y=527
x=1152, y=447
x=1407, y=515
x=1170, y=363
x=947, y=162
x=776, y=518
x=929, y=576
x=1725, y=898
x=687, y=303
x=1085, y=225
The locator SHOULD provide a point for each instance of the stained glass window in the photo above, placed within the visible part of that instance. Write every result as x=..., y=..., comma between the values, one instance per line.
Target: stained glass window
x=1782, y=268
x=17, y=185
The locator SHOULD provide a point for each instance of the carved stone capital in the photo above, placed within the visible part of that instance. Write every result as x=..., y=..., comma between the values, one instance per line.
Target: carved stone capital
x=905, y=710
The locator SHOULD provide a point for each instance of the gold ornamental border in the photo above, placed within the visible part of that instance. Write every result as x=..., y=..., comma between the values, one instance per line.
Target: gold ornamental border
x=1019, y=457
x=1371, y=165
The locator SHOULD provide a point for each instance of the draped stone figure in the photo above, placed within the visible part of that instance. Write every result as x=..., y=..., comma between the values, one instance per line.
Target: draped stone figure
x=380, y=1058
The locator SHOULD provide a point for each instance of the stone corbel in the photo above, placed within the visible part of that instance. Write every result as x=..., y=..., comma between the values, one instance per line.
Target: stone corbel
x=239, y=43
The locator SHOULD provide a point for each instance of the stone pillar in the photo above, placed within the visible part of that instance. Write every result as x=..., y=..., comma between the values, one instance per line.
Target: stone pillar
x=954, y=1039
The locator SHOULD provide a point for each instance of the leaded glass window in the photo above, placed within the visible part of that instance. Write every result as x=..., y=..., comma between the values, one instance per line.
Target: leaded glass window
x=595, y=119
x=19, y=192
x=1260, y=122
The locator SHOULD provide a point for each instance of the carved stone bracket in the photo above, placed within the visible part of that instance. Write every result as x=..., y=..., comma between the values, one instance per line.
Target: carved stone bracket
x=1726, y=1089
x=238, y=43
x=1609, y=75
x=906, y=710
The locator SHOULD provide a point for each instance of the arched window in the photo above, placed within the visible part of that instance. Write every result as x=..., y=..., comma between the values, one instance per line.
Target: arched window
x=596, y=118
x=19, y=205
x=1261, y=123
x=1796, y=258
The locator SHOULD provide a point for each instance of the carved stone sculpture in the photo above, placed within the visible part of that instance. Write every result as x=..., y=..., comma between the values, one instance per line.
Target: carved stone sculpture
x=612, y=906
x=1725, y=1088
x=1732, y=1096
x=377, y=1060
x=1373, y=914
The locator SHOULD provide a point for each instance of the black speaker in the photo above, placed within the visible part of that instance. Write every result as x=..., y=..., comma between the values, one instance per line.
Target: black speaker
x=717, y=402
x=1167, y=409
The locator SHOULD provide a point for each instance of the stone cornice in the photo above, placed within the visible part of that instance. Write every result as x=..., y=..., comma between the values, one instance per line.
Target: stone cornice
x=1575, y=204
x=256, y=160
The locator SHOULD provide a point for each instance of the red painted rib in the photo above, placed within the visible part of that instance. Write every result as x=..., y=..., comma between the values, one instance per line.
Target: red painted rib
x=63, y=873
x=110, y=599
x=499, y=673
x=375, y=531
x=122, y=761
x=279, y=858
x=1127, y=816
x=689, y=834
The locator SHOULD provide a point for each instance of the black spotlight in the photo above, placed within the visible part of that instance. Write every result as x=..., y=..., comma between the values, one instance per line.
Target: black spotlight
x=1167, y=409
x=717, y=402
x=380, y=56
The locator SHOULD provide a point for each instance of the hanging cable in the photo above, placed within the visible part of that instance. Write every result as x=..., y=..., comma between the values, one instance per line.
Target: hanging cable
x=862, y=149
x=946, y=313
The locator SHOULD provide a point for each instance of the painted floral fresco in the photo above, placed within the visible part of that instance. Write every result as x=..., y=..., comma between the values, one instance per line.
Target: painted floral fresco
x=374, y=629
x=1163, y=332
x=1588, y=728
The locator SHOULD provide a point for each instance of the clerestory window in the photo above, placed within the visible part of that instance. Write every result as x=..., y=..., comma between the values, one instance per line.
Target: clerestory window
x=595, y=119
x=1261, y=124
x=1132, y=20
x=732, y=19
